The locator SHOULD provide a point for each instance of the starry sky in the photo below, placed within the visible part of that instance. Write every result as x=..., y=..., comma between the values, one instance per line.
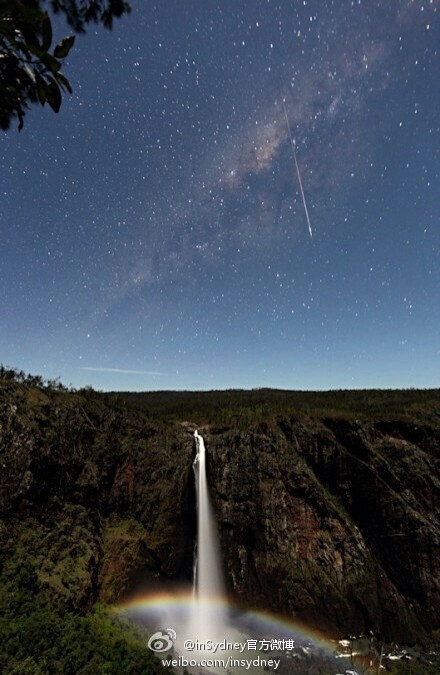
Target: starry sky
x=153, y=234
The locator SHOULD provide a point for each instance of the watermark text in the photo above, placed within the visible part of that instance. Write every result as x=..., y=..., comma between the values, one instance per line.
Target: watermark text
x=230, y=662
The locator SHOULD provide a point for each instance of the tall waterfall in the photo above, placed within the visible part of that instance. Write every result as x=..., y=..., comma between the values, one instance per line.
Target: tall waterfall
x=208, y=579
x=202, y=616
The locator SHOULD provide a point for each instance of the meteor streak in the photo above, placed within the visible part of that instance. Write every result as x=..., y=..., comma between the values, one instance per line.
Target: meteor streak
x=292, y=142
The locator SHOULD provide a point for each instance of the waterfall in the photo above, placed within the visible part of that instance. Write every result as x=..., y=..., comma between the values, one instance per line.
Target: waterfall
x=202, y=617
x=208, y=580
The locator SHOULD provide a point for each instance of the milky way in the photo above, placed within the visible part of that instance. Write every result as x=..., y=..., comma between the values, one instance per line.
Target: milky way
x=152, y=235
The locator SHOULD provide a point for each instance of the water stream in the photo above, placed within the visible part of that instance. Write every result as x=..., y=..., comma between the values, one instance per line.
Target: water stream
x=208, y=583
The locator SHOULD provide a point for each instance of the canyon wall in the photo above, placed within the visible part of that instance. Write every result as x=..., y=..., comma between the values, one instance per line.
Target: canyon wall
x=331, y=520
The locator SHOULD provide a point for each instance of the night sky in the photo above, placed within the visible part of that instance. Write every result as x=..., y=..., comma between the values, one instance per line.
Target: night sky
x=153, y=234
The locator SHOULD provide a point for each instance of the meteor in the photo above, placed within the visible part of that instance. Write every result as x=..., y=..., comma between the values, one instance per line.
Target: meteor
x=292, y=142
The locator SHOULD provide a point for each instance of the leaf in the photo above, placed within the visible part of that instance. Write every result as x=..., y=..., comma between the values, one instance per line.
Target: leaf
x=29, y=71
x=63, y=81
x=46, y=31
x=53, y=95
x=50, y=62
x=41, y=89
x=63, y=47
x=30, y=38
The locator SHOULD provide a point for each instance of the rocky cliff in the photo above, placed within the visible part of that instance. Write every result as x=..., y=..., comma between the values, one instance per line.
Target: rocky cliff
x=331, y=519
x=334, y=521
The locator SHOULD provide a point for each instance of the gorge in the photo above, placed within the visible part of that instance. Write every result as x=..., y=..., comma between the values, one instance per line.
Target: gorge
x=327, y=516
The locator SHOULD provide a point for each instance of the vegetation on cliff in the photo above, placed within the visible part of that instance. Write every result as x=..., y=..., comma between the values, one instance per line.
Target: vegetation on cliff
x=242, y=408
x=41, y=635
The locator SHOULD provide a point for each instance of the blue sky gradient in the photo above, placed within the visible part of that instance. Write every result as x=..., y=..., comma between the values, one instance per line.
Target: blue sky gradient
x=156, y=224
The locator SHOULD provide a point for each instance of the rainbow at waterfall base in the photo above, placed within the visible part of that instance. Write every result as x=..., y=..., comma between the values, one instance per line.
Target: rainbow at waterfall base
x=306, y=648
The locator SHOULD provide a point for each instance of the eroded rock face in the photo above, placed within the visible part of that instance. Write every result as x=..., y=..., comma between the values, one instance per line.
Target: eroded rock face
x=330, y=520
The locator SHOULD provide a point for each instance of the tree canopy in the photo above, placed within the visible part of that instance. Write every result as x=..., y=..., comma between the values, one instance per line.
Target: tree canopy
x=30, y=65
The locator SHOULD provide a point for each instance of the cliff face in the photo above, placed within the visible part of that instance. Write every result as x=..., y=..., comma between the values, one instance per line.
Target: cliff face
x=94, y=498
x=332, y=520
